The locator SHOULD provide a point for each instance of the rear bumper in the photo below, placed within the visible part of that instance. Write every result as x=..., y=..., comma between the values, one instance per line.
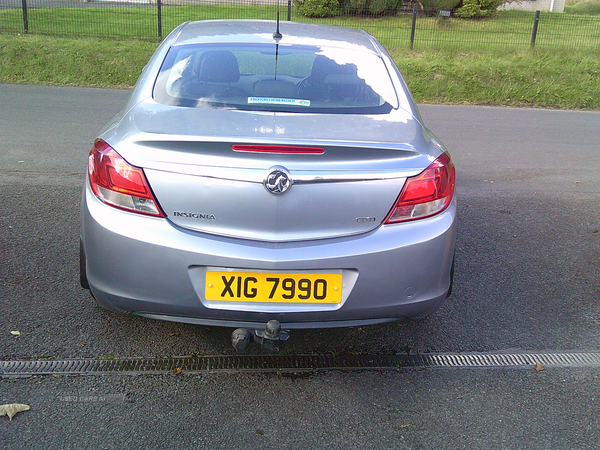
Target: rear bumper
x=145, y=266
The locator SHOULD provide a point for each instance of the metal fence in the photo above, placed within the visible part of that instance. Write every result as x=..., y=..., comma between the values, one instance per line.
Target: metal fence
x=154, y=19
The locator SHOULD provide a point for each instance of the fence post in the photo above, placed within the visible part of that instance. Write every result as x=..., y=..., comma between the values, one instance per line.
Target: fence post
x=25, y=19
x=159, y=8
x=289, y=10
x=412, y=29
x=535, y=27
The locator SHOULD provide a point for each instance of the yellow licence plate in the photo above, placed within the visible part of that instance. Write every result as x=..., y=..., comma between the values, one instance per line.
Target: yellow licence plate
x=273, y=287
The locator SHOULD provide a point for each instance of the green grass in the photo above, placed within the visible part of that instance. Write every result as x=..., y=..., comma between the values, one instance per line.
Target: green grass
x=485, y=62
x=586, y=7
x=508, y=28
x=129, y=22
x=72, y=62
x=542, y=78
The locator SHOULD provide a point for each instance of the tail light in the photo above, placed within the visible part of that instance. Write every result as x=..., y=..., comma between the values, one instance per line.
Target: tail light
x=119, y=184
x=426, y=194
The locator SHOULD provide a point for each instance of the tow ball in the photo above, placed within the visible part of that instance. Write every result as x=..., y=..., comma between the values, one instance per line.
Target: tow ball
x=269, y=338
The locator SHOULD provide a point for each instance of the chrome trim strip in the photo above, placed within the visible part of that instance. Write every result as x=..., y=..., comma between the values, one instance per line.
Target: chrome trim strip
x=297, y=177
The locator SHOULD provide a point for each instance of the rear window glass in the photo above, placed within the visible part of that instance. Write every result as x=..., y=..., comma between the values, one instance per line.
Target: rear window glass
x=275, y=78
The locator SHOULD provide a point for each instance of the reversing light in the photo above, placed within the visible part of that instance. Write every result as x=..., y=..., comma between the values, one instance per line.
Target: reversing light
x=426, y=194
x=119, y=184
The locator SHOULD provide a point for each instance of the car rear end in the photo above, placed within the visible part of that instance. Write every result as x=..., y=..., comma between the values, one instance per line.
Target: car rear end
x=234, y=199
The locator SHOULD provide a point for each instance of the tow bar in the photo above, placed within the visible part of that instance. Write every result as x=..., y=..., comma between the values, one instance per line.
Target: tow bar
x=269, y=338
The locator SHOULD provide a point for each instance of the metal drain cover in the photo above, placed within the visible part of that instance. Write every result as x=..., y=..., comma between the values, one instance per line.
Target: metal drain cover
x=284, y=363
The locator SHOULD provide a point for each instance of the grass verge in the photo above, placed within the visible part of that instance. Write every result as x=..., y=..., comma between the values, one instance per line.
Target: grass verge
x=541, y=78
x=566, y=79
x=585, y=7
x=72, y=62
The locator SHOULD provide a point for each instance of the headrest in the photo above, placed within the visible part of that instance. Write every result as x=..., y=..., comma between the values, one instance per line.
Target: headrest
x=323, y=66
x=219, y=66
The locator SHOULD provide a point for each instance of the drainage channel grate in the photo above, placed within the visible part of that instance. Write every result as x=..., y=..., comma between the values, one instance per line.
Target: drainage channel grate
x=302, y=363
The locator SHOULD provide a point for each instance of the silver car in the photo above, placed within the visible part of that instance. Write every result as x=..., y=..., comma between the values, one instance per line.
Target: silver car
x=265, y=171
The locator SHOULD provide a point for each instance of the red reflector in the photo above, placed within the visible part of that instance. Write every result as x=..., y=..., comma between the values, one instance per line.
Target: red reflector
x=278, y=149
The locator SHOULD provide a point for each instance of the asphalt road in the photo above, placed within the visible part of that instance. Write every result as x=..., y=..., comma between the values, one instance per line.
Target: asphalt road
x=527, y=278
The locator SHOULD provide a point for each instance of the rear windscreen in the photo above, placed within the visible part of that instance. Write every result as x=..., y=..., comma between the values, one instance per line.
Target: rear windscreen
x=273, y=77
